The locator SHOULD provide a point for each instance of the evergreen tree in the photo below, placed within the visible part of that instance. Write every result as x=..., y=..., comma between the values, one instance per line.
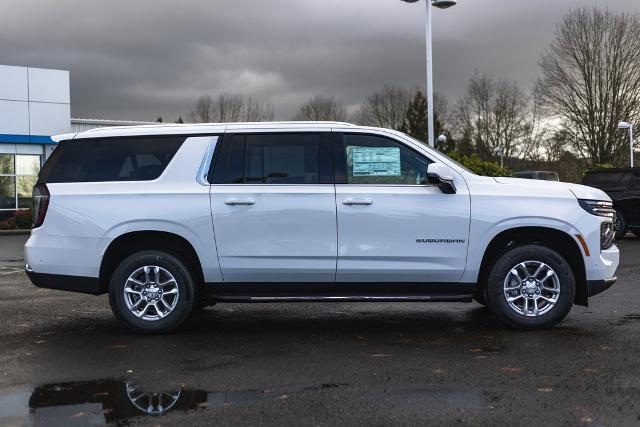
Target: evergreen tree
x=415, y=124
x=180, y=121
x=159, y=119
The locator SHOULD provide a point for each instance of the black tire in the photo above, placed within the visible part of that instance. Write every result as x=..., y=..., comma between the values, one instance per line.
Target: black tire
x=187, y=296
x=621, y=226
x=496, y=298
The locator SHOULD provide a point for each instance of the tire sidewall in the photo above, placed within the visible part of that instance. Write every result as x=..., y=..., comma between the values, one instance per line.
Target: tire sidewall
x=185, y=284
x=504, y=264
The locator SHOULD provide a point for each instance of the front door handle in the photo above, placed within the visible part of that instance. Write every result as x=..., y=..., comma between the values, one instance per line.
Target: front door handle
x=234, y=202
x=351, y=202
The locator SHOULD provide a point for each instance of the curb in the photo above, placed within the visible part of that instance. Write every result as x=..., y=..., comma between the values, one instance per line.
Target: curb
x=14, y=232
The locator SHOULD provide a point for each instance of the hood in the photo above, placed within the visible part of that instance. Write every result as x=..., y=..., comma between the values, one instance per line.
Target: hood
x=554, y=187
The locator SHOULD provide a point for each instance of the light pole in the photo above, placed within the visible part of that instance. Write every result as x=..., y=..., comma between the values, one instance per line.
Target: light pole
x=441, y=4
x=625, y=125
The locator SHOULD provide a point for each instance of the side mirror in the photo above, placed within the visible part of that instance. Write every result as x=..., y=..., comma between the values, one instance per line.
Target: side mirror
x=441, y=176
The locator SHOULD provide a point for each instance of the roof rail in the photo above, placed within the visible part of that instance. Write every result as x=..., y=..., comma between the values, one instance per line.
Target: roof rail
x=166, y=125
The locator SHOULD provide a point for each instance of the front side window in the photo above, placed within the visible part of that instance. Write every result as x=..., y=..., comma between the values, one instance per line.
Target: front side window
x=370, y=159
x=18, y=175
x=126, y=159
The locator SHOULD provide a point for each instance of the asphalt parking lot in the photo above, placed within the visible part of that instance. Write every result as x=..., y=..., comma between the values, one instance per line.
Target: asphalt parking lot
x=64, y=360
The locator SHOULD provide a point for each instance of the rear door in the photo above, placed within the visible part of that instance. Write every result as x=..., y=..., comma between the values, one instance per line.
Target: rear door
x=273, y=207
x=391, y=226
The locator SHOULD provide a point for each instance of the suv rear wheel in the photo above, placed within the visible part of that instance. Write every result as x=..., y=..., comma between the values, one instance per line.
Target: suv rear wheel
x=531, y=287
x=152, y=292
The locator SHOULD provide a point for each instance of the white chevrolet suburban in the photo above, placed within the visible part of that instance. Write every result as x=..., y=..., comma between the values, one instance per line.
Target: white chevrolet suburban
x=169, y=218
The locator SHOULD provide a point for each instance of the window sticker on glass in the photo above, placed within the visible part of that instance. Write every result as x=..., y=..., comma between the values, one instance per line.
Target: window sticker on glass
x=374, y=161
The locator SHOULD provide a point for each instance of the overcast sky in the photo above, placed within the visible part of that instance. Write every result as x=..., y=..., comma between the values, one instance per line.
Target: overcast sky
x=139, y=59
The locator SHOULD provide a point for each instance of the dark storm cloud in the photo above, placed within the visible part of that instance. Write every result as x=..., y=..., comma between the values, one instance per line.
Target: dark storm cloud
x=137, y=59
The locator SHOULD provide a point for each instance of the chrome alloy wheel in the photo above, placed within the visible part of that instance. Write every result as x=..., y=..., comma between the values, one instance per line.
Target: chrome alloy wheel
x=151, y=293
x=152, y=403
x=531, y=288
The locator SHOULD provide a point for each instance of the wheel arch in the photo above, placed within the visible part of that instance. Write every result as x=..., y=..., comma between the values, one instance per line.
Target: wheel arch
x=555, y=239
x=136, y=241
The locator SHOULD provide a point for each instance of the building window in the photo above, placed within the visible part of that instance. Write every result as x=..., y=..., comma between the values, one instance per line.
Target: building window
x=18, y=175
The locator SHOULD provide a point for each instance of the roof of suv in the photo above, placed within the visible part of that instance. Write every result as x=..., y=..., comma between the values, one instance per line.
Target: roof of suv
x=168, y=129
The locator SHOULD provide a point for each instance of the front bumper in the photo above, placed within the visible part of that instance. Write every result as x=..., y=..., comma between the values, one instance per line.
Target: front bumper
x=598, y=286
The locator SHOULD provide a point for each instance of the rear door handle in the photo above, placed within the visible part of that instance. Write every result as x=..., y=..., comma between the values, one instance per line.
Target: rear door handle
x=240, y=202
x=357, y=202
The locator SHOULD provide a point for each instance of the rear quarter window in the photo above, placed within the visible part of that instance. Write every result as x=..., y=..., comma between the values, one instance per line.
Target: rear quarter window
x=100, y=160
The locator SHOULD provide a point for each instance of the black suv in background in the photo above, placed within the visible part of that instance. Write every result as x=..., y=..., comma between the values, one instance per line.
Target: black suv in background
x=623, y=186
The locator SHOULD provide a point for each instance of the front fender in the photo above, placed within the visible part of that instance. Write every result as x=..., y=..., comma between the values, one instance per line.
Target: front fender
x=481, y=236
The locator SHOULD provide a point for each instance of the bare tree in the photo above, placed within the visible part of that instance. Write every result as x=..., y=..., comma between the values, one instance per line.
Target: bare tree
x=320, y=108
x=498, y=118
x=229, y=107
x=591, y=80
x=201, y=112
x=387, y=108
x=553, y=147
x=256, y=111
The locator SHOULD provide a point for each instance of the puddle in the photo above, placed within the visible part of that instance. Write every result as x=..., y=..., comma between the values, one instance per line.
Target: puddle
x=116, y=402
x=120, y=402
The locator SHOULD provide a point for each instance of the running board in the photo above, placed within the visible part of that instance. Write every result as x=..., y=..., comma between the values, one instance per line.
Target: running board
x=270, y=298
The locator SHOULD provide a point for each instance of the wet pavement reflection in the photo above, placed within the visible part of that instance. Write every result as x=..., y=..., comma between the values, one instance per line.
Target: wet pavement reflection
x=119, y=402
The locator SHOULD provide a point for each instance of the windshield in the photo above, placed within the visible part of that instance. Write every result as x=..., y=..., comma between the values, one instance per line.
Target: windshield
x=455, y=162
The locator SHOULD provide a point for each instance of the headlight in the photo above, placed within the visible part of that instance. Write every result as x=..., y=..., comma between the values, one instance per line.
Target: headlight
x=607, y=234
x=598, y=208
x=604, y=209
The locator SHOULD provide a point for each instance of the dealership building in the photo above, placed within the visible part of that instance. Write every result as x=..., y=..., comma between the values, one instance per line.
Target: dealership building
x=35, y=104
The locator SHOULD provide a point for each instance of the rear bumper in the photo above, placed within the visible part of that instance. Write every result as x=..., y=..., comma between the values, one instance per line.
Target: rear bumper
x=598, y=286
x=85, y=285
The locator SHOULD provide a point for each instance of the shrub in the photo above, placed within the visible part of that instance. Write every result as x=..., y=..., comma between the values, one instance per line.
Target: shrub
x=603, y=166
x=478, y=165
x=23, y=219
x=6, y=225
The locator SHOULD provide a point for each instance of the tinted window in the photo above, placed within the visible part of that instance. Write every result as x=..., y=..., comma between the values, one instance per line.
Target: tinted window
x=134, y=159
x=282, y=159
x=524, y=175
x=228, y=161
x=604, y=179
x=287, y=158
x=549, y=176
x=372, y=159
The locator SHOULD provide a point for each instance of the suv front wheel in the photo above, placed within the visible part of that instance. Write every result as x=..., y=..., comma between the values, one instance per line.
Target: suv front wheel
x=152, y=292
x=531, y=287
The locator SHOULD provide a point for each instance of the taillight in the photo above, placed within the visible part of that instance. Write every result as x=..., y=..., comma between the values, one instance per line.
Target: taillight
x=40, y=204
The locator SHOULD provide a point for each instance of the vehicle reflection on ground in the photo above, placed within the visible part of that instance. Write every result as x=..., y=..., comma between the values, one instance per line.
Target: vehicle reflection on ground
x=120, y=402
x=112, y=401
x=107, y=401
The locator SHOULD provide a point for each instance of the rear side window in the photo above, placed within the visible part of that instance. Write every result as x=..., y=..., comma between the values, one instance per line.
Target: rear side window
x=99, y=160
x=273, y=158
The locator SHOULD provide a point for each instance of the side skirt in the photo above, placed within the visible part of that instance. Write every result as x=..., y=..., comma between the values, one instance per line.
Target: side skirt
x=339, y=292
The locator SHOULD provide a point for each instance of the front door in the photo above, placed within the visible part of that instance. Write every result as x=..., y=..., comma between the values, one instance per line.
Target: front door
x=273, y=207
x=391, y=226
